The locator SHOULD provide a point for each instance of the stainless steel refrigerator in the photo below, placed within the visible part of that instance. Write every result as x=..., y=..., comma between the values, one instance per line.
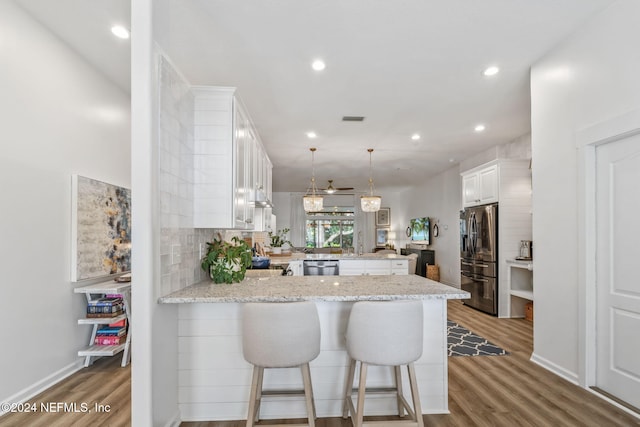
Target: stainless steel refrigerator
x=479, y=256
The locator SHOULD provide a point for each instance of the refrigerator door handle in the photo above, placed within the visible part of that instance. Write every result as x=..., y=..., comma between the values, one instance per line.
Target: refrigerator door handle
x=473, y=226
x=473, y=277
x=474, y=264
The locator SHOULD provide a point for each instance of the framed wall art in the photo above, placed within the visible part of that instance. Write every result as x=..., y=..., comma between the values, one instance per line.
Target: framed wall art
x=100, y=229
x=382, y=237
x=383, y=217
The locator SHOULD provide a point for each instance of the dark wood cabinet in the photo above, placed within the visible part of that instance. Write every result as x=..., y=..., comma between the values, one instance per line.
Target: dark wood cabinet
x=425, y=256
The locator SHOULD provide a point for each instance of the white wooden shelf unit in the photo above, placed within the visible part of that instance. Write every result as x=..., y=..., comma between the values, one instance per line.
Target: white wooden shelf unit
x=96, y=291
x=520, y=280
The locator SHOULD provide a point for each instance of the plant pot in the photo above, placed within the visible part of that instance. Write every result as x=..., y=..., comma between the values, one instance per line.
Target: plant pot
x=276, y=251
x=223, y=271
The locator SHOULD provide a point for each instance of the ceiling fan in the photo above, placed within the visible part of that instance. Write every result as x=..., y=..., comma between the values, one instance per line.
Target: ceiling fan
x=331, y=189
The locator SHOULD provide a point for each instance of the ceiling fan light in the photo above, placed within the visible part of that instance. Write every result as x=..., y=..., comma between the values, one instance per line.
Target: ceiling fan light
x=312, y=203
x=370, y=203
x=330, y=189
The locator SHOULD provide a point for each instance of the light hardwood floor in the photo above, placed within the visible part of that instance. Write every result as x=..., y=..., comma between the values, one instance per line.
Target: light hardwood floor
x=104, y=383
x=483, y=390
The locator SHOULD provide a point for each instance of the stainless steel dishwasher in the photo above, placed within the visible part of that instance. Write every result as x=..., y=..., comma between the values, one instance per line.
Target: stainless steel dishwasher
x=321, y=267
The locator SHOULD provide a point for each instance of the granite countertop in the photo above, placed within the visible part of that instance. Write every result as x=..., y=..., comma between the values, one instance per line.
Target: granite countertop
x=316, y=288
x=284, y=260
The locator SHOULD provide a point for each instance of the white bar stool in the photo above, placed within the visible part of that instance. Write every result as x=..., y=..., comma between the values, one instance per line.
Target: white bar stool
x=280, y=335
x=386, y=333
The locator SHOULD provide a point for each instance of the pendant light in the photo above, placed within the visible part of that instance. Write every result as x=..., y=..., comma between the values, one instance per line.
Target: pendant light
x=312, y=202
x=370, y=203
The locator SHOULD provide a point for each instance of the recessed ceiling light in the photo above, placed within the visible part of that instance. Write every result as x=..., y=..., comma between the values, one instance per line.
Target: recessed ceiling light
x=415, y=136
x=479, y=128
x=451, y=160
x=311, y=135
x=120, y=31
x=491, y=71
x=318, y=65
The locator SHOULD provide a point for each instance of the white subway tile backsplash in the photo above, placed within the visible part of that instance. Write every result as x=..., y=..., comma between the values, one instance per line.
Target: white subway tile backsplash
x=188, y=153
x=176, y=178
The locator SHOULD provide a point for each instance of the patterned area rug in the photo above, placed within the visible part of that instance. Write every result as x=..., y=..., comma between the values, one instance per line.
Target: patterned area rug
x=463, y=342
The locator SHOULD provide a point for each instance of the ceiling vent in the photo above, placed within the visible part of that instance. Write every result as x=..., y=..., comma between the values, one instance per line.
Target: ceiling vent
x=352, y=118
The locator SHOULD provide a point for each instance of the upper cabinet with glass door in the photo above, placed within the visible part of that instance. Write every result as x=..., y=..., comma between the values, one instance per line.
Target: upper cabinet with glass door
x=226, y=152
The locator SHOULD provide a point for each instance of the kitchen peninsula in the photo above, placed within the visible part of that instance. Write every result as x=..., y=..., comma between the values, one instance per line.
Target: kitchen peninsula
x=214, y=378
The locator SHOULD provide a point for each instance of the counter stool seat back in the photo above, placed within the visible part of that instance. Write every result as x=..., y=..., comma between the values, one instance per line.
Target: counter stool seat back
x=386, y=333
x=280, y=335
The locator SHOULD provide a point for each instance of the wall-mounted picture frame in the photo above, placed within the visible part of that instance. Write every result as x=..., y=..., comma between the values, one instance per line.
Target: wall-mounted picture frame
x=383, y=217
x=100, y=229
x=382, y=237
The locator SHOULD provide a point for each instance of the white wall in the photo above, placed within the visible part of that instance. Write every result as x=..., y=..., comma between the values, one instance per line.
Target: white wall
x=59, y=117
x=591, y=77
x=438, y=198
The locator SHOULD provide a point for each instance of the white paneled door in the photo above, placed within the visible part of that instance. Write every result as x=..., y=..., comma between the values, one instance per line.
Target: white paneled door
x=618, y=287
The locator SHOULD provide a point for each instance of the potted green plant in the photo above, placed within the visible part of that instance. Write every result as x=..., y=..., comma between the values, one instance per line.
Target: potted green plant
x=227, y=262
x=278, y=239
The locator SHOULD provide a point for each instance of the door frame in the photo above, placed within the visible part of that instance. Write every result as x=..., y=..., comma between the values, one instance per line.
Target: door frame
x=587, y=140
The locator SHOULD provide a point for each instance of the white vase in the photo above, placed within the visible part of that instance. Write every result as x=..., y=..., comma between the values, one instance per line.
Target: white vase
x=276, y=251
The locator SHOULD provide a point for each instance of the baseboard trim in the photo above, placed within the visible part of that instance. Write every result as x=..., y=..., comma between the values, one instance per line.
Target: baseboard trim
x=556, y=369
x=573, y=378
x=632, y=410
x=175, y=421
x=43, y=384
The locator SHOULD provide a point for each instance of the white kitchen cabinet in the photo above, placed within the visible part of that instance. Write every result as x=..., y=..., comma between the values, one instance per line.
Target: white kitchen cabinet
x=399, y=266
x=352, y=267
x=228, y=155
x=245, y=146
x=480, y=186
x=262, y=170
x=369, y=267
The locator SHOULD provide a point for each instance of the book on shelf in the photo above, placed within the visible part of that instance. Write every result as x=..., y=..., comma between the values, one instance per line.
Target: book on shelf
x=110, y=340
x=118, y=324
x=105, y=302
x=104, y=315
x=105, y=308
x=111, y=331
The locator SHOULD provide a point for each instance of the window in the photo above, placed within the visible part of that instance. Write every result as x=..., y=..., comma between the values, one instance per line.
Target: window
x=330, y=229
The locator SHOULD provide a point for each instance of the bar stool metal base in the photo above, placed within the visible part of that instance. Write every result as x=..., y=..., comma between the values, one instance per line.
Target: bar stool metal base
x=255, y=399
x=357, y=413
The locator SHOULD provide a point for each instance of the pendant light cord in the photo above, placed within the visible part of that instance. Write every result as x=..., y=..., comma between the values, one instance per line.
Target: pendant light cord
x=313, y=172
x=370, y=150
